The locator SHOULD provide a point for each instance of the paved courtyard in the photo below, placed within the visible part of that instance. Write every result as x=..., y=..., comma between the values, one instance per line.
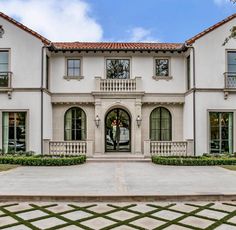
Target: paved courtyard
x=117, y=178
x=118, y=216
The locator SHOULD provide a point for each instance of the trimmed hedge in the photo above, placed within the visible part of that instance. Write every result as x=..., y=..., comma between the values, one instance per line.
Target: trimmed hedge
x=42, y=161
x=191, y=161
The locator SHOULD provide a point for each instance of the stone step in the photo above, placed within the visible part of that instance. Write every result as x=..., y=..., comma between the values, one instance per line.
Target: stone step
x=118, y=158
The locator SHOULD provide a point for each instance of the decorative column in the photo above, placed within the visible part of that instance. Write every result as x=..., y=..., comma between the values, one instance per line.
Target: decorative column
x=98, y=145
x=137, y=129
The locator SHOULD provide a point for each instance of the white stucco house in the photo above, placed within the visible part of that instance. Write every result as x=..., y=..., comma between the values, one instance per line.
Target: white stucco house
x=110, y=98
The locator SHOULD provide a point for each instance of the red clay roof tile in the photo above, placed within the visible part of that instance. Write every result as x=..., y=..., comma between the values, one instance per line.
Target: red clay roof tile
x=116, y=46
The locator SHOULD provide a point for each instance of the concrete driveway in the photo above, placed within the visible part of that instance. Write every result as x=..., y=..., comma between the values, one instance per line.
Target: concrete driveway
x=118, y=179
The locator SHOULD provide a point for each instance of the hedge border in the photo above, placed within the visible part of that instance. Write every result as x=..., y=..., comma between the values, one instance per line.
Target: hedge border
x=191, y=161
x=43, y=161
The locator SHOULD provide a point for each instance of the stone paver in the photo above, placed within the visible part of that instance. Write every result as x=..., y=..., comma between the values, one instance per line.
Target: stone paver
x=60, y=208
x=168, y=215
x=101, y=208
x=226, y=227
x=196, y=222
x=122, y=215
x=123, y=178
x=212, y=214
x=18, y=227
x=6, y=220
x=148, y=223
x=176, y=227
x=98, y=223
x=224, y=207
x=16, y=208
x=232, y=220
x=31, y=214
x=48, y=223
x=142, y=208
x=152, y=215
x=77, y=215
x=183, y=208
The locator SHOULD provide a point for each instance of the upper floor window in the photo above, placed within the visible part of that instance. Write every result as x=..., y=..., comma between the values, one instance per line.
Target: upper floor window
x=162, y=67
x=73, y=67
x=231, y=61
x=230, y=75
x=118, y=68
x=4, y=56
x=4, y=68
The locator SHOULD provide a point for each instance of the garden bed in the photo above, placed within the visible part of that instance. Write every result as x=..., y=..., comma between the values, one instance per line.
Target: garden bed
x=194, y=161
x=40, y=160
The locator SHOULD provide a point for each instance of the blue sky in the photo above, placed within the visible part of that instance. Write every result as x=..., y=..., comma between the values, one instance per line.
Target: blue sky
x=118, y=20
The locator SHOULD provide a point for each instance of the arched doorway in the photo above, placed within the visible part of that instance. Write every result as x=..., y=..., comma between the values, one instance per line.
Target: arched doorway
x=117, y=131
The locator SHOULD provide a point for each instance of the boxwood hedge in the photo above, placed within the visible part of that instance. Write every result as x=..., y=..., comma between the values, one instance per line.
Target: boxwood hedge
x=191, y=161
x=42, y=160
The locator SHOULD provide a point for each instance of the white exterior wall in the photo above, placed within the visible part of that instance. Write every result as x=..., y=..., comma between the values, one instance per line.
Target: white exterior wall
x=214, y=102
x=211, y=57
x=27, y=102
x=25, y=64
x=94, y=65
x=25, y=55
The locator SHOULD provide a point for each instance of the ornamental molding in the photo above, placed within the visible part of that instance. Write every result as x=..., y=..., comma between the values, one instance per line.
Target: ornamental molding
x=1, y=31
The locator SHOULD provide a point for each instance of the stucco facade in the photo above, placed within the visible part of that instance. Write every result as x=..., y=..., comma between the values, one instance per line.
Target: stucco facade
x=64, y=113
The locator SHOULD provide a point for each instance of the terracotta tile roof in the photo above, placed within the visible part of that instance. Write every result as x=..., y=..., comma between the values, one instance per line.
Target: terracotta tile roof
x=23, y=27
x=208, y=30
x=116, y=46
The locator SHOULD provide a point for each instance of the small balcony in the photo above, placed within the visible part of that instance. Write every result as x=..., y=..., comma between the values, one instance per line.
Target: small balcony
x=5, y=80
x=230, y=80
x=118, y=85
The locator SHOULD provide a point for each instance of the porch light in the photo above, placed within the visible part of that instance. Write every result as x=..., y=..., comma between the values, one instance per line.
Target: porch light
x=139, y=120
x=97, y=121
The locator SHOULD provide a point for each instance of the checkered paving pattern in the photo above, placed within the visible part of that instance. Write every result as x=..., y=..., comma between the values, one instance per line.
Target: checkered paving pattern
x=118, y=216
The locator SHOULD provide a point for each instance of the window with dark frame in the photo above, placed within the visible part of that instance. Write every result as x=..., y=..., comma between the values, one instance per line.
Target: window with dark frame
x=162, y=67
x=160, y=125
x=4, y=68
x=221, y=132
x=73, y=67
x=118, y=68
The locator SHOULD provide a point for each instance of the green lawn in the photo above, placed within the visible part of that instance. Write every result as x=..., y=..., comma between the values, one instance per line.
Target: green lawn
x=5, y=167
x=230, y=167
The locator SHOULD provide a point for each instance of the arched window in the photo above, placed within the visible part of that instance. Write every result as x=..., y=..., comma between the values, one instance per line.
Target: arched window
x=75, y=125
x=160, y=125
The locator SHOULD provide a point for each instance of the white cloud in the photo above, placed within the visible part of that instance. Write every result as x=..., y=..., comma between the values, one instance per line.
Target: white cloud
x=222, y=2
x=140, y=34
x=57, y=20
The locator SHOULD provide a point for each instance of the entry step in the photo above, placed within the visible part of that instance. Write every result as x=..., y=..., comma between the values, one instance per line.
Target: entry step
x=118, y=158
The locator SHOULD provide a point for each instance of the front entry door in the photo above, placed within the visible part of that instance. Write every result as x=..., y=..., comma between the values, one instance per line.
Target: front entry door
x=117, y=131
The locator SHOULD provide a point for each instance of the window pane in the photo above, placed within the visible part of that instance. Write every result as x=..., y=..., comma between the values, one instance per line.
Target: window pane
x=118, y=68
x=3, y=57
x=162, y=67
x=232, y=58
x=75, y=124
x=14, y=132
x=73, y=67
x=160, y=125
x=221, y=132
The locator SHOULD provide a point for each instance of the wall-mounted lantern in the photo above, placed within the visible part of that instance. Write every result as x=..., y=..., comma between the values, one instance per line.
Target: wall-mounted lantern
x=139, y=121
x=97, y=121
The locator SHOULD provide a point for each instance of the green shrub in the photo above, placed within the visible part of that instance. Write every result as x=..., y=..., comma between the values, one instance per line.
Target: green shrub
x=39, y=160
x=191, y=161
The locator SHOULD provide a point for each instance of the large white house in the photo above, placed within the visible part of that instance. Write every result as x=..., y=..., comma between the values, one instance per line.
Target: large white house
x=103, y=98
